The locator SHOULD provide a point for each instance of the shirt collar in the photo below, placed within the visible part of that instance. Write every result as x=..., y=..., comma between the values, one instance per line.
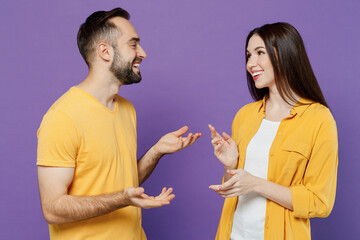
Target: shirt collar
x=299, y=108
x=262, y=105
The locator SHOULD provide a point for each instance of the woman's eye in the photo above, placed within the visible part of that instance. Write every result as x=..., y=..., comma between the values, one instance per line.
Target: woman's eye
x=261, y=52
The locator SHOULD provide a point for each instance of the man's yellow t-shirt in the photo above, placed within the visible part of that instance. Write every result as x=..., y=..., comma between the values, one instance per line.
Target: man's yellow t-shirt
x=79, y=132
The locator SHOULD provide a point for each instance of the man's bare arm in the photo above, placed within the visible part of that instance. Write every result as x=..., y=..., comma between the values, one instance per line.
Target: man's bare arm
x=59, y=207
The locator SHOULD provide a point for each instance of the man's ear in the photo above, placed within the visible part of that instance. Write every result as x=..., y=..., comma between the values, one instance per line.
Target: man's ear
x=104, y=51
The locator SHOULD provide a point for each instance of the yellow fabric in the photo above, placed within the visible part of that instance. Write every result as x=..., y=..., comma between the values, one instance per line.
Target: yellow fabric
x=78, y=131
x=303, y=157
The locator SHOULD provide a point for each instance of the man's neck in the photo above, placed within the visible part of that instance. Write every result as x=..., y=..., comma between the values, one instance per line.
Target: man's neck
x=101, y=85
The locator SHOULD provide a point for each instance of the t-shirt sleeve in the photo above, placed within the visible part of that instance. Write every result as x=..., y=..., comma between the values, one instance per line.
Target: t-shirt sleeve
x=58, y=140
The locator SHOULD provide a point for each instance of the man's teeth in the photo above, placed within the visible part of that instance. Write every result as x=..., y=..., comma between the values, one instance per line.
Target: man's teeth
x=257, y=73
x=137, y=65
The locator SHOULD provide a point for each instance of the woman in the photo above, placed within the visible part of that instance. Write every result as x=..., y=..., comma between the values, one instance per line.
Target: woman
x=281, y=162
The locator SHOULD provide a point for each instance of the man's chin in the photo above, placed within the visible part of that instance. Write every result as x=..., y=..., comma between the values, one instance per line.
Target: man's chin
x=131, y=80
x=135, y=81
x=136, y=77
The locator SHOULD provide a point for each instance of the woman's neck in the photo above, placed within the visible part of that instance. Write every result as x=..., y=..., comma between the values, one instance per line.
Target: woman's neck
x=276, y=108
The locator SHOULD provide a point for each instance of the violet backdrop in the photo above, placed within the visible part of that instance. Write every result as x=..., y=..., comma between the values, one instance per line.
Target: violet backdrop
x=194, y=75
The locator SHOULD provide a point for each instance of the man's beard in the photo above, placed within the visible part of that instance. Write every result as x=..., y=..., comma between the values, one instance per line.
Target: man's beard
x=122, y=71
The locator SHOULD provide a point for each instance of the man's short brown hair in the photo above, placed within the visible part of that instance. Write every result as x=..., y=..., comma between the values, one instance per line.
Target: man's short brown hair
x=97, y=27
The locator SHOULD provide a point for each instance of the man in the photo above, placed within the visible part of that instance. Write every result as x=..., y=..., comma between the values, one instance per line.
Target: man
x=88, y=174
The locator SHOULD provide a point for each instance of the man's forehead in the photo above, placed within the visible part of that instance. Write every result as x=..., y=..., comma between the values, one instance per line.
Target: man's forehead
x=125, y=27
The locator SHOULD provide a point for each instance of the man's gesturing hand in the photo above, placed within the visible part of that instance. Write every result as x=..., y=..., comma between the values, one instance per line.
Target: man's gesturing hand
x=225, y=148
x=138, y=198
x=174, y=141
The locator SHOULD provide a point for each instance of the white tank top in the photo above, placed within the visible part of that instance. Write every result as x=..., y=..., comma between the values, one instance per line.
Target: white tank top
x=249, y=216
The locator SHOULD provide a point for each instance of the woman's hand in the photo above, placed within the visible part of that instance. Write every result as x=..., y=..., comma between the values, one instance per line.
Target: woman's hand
x=225, y=149
x=240, y=183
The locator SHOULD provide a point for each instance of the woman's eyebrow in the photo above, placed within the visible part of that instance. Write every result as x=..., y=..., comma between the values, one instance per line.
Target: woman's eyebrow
x=257, y=48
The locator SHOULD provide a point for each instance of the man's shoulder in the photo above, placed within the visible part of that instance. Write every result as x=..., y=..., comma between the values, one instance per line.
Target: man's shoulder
x=67, y=101
x=59, y=110
x=124, y=102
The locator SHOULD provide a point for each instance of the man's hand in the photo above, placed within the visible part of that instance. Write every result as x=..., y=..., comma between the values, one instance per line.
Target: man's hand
x=174, y=141
x=169, y=143
x=225, y=149
x=138, y=198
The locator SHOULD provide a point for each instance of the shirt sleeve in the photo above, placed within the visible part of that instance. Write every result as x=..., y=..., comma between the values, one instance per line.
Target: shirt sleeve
x=315, y=197
x=235, y=127
x=58, y=140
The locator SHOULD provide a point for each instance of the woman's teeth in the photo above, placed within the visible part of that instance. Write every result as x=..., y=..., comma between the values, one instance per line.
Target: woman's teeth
x=257, y=73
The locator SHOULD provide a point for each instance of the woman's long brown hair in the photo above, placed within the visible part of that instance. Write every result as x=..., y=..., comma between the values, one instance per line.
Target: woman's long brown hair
x=292, y=69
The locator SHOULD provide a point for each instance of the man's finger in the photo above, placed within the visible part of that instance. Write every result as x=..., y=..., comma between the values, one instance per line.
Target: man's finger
x=136, y=191
x=163, y=191
x=181, y=131
x=181, y=143
x=170, y=197
x=168, y=192
x=187, y=140
x=145, y=196
x=196, y=136
x=163, y=201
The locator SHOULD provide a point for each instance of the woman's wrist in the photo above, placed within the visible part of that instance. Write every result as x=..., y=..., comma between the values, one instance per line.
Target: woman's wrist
x=231, y=166
x=258, y=184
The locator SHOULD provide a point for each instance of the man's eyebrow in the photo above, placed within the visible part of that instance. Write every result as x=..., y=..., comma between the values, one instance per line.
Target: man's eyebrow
x=136, y=39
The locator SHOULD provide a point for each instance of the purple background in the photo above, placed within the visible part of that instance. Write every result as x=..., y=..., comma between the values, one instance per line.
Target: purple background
x=194, y=75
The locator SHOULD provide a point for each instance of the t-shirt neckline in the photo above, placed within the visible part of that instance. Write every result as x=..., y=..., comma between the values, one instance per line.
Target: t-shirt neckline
x=97, y=101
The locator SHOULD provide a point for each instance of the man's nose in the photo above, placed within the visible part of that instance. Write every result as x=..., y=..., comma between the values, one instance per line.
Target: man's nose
x=141, y=53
